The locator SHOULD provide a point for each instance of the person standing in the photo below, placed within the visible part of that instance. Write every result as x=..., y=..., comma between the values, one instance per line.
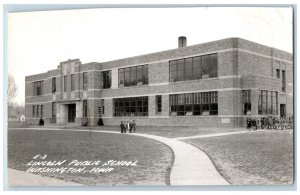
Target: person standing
x=133, y=126
x=122, y=126
x=130, y=127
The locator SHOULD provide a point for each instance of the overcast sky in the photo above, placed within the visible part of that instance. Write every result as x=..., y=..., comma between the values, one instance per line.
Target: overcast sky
x=39, y=41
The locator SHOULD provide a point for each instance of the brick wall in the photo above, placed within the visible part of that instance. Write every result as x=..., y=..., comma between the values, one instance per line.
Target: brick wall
x=239, y=67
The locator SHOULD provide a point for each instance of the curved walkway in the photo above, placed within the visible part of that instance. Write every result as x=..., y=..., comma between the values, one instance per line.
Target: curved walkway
x=191, y=165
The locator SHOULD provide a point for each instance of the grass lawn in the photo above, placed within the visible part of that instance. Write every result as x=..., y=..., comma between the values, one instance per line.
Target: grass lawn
x=154, y=158
x=264, y=157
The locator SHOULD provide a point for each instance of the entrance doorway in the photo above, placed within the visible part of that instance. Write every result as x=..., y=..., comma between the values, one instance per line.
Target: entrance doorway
x=71, y=113
x=282, y=110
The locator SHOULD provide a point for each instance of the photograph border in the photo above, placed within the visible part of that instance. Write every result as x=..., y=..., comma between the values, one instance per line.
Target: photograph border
x=14, y=8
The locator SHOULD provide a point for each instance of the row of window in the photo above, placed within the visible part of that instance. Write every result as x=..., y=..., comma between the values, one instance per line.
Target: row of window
x=135, y=106
x=37, y=111
x=283, y=79
x=135, y=75
x=267, y=102
x=200, y=67
x=204, y=103
x=84, y=85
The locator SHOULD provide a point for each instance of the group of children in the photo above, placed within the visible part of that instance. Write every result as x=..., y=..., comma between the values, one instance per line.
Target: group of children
x=269, y=122
x=129, y=126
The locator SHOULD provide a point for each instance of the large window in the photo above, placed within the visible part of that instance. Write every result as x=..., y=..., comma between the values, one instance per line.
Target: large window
x=85, y=81
x=135, y=106
x=53, y=84
x=200, y=67
x=65, y=83
x=38, y=88
x=72, y=82
x=205, y=103
x=53, y=109
x=267, y=102
x=246, y=101
x=283, y=88
x=131, y=76
x=106, y=79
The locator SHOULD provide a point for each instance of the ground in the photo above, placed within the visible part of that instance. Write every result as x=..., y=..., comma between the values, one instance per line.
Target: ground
x=153, y=167
x=264, y=157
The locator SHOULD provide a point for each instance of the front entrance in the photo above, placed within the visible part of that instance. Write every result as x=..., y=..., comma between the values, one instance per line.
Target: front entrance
x=71, y=113
x=282, y=110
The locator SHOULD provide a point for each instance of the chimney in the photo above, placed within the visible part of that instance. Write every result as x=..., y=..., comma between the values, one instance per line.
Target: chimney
x=182, y=41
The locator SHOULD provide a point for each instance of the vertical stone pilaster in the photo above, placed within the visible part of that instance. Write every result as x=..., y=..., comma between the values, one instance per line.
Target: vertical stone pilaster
x=114, y=78
x=151, y=106
x=165, y=105
x=254, y=101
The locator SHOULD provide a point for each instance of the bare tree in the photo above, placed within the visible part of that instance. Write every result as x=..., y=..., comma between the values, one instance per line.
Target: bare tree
x=12, y=90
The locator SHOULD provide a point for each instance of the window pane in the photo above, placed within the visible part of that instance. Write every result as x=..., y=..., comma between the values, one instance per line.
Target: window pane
x=158, y=103
x=106, y=79
x=121, y=76
x=189, y=69
x=213, y=109
x=196, y=68
x=173, y=71
x=133, y=75
x=84, y=108
x=269, y=103
x=37, y=110
x=140, y=74
x=205, y=67
x=65, y=83
x=283, y=81
x=145, y=74
x=131, y=106
x=85, y=81
x=180, y=70
x=127, y=76
x=213, y=60
x=278, y=73
x=53, y=84
x=264, y=102
x=72, y=82
x=260, y=103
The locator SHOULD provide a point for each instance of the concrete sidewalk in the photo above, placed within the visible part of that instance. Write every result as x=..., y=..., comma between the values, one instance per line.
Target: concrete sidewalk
x=191, y=165
x=213, y=135
x=21, y=178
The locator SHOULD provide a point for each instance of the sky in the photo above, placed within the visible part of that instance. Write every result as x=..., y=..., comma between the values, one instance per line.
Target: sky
x=39, y=41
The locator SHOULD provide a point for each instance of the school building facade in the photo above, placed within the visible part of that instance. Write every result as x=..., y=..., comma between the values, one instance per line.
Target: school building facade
x=214, y=84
